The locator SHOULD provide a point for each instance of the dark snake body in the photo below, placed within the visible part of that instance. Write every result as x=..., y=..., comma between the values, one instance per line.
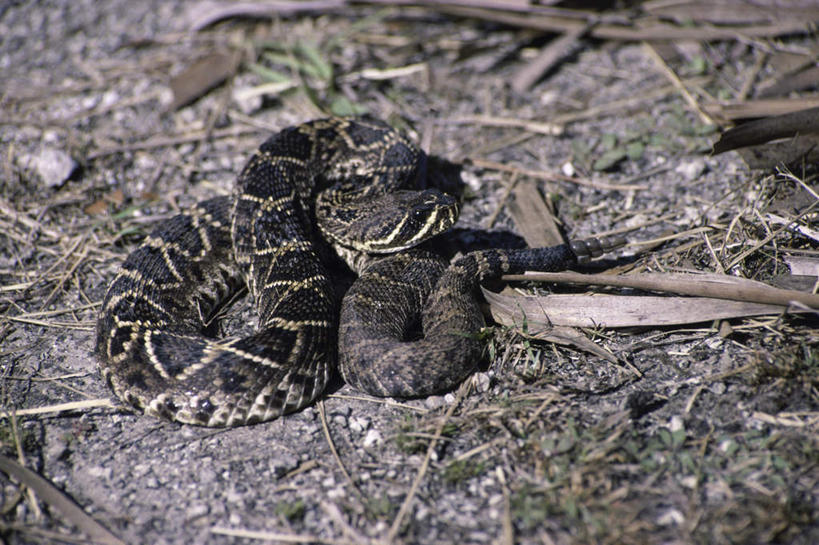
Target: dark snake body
x=348, y=181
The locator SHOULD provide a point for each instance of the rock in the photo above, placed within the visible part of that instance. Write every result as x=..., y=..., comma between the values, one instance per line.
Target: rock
x=52, y=166
x=359, y=423
x=481, y=382
x=196, y=511
x=434, y=402
x=372, y=438
x=247, y=101
x=691, y=170
x=57, y=449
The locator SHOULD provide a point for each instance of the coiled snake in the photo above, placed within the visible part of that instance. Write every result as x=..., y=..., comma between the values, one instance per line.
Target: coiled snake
x=347, y=181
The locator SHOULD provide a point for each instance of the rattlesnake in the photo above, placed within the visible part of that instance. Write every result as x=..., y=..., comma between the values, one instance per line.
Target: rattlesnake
x=349, y=181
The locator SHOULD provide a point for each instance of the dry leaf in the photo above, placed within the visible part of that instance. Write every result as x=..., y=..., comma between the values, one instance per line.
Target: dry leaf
x=618, y=310
x=712, y=286
x=566, y=336
x=96, y=208
x=803, y=266
x=202, y=14
x=201, y=77
x=117, y=197
x=533, y=217
x=770, y=128
x=790, y=152
x=100, y=206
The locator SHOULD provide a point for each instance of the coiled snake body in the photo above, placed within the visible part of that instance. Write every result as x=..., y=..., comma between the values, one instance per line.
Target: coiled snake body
x=347, y=181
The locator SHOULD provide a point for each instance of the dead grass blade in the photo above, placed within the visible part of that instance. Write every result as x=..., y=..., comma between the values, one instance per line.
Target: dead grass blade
x=677, y=82
x=59, y=501
x=549, y=56
x=795, y=151
x=279, y=537
x=63, y=407
x=550, y=176
x=732, y=12
x=796, y=81
x=332, y=446
x=539, y=127
x=173, y=140
x=395, y=527
x=764, y=23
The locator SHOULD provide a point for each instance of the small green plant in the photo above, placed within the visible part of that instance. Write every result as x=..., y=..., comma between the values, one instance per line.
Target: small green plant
x=459, y=471
x=292, y=511
x=378, y=507
x=304, y=66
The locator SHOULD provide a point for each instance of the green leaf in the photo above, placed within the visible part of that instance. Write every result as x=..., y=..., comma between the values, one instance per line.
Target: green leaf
x=283, y=59
x=665, y=436
x=678, y=438
x=268, y=74
x=609, y=159
x=635, y=149
x=698, y=66
x=608, y=141
x=342, y=106
x=314, y=57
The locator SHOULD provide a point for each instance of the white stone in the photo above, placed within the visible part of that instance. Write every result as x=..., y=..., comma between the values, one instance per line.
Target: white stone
x=51, y=165
x=372, y=438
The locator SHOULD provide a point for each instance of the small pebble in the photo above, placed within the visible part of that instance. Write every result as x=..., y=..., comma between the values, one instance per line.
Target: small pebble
x=434, y=402
x=52, y=166
x=717, y=388
x=358, y=423
x=691, y=170
x=196, y=511
x=481, y=382
x=372, y=438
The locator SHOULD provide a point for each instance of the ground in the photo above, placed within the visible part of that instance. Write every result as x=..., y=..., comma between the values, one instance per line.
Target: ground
x=696, y=433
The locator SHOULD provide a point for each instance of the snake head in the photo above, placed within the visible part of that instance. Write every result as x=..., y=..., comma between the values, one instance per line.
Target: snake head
x=391, y=222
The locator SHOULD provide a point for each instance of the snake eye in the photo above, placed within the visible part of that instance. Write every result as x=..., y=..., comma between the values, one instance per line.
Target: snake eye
x=420, y=214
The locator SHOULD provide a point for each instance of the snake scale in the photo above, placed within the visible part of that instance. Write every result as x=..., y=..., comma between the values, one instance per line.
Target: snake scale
x=350, y=182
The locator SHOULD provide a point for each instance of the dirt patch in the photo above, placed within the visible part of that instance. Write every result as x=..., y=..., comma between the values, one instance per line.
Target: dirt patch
x=704, y=433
